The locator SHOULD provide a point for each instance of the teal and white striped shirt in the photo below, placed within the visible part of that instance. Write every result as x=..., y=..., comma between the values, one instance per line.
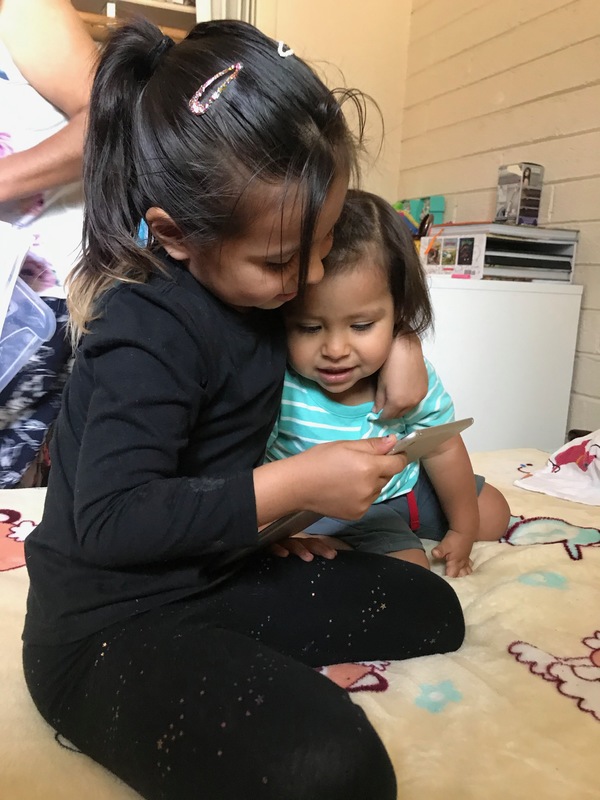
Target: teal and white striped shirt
x=308, y=417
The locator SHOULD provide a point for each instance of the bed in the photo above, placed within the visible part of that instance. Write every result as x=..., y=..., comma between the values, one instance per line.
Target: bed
x=514, y=713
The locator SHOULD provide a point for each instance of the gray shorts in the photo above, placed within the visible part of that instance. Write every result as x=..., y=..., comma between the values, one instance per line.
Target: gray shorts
x=385, y=528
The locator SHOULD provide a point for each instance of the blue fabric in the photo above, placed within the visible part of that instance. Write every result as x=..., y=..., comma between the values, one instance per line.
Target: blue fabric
x=29, y=404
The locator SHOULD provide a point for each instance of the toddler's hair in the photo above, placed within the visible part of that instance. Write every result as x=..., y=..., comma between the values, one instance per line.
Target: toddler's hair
x=370, y=228
x=276, y=123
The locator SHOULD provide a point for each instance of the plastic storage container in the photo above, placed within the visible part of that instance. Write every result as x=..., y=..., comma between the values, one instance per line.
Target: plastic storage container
x=28, y=324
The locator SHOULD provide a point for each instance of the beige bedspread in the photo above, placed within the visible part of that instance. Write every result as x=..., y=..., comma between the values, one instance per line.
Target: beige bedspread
x=514, y=714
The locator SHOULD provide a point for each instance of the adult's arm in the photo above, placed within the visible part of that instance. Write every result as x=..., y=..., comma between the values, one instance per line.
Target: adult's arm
x=51, y=47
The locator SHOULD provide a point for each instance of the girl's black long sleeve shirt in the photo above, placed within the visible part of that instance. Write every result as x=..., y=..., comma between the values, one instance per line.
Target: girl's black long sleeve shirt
x=167, y=412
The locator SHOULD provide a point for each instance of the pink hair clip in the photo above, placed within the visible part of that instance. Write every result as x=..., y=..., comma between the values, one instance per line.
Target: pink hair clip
x=198, y=108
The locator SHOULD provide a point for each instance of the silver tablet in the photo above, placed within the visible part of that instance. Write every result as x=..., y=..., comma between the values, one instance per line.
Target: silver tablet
x=420, y=443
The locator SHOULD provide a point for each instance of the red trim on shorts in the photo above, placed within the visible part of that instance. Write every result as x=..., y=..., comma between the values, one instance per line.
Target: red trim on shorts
x=413, y=511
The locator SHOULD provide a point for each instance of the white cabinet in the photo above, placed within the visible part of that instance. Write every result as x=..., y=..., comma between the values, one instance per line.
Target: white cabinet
x=505, y=352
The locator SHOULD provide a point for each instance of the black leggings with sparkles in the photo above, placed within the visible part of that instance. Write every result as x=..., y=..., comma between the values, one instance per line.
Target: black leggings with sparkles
x=216, y=697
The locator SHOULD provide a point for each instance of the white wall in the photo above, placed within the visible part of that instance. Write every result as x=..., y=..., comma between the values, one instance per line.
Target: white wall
x=360, y=45
x=493, y=82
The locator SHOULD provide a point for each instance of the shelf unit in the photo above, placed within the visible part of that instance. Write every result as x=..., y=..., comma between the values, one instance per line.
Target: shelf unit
x=174, y=19
x=164, y=5
x=491, y=250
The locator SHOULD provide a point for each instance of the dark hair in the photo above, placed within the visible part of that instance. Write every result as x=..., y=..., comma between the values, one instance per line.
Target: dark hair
x=276, y=122
x=368, y=226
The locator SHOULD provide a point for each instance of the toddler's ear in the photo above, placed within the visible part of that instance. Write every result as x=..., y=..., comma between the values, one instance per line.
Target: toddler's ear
x=167, y=233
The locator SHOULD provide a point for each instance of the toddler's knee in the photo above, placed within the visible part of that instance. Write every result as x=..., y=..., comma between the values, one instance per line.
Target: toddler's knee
x=494, y=514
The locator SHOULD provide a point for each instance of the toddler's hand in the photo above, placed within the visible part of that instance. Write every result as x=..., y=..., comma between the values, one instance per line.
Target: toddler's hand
x=455, y=549
x=305, y=548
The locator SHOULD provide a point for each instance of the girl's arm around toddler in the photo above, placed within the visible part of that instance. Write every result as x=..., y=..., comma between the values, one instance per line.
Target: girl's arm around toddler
x=403, y=379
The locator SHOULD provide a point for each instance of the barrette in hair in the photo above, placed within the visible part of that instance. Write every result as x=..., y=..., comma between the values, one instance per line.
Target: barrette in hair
x=198, y=108
x=283, y=50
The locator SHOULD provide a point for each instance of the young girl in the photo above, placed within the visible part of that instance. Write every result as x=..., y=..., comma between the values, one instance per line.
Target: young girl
x=339, y=335
x=183, y=684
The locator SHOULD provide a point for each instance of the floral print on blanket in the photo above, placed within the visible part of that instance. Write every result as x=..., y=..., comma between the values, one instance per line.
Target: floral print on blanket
x=13, y=532
x=435, y=697
x=547, y=530
x=358, y=676
x=551, y=580
x=576, y=677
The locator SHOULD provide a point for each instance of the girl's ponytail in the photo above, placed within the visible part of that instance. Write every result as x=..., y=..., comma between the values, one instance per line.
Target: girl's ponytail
x=111, y=246
x=275, y=124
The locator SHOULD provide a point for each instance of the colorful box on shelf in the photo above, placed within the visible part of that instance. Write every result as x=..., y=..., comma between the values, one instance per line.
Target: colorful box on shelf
x=417, y=208
x=491, y=250
x=519, y=192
